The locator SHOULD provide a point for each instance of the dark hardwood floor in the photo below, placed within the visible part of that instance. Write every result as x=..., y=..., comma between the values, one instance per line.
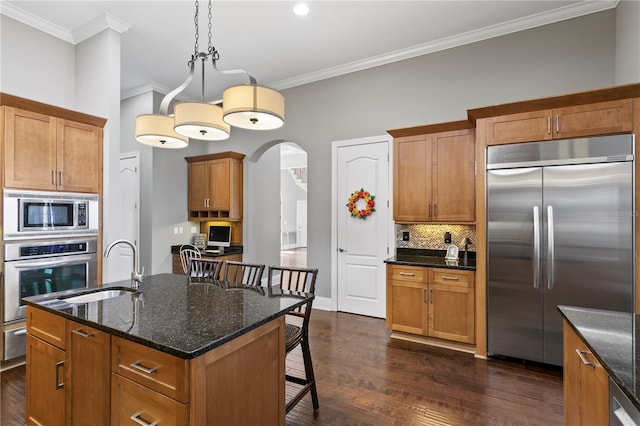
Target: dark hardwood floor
x=366, y=379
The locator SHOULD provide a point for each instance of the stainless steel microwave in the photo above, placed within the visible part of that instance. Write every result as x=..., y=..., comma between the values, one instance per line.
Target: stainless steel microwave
x=39, y=214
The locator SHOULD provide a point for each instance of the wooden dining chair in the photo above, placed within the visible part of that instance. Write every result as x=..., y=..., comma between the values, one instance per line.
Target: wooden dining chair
x=249, y=274
x=188, y=251
x=205, y=267
x=297, y=334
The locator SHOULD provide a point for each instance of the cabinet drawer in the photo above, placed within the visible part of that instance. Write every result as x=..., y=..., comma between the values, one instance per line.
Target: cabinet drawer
x=46, y=326
x=131, y=402
x=156, y=370
x=452, y=277
x=408, y=273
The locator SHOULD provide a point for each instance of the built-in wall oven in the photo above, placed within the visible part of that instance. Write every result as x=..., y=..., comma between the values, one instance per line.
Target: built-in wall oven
x=36, y=267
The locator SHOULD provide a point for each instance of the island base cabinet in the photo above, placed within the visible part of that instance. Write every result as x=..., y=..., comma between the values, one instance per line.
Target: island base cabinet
x=132, y=403
x=44, y=383
x=585, y=382
x=234, y=384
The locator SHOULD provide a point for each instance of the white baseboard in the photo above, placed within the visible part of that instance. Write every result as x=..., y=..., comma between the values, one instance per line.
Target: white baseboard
x=323, y=303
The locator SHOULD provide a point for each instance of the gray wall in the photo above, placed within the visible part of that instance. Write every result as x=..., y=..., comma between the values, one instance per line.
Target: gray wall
x=560, y=58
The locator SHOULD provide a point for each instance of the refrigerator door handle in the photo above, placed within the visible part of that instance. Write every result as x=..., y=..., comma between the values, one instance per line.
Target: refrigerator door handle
x=550, y=248
x=536, y=247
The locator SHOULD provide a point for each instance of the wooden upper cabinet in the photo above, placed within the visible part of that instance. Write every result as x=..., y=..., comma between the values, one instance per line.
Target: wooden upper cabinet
x=29, y=150
x=215, y=187
x=79, y=156
x=524, y=127
x=454, y=176
x=561, y=123
x=51, y=154
x=412, y=179
x=434, y=177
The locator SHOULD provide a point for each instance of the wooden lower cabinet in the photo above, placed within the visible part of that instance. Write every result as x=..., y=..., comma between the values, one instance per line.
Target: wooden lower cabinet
x=88, y=375
x=45, y=403
x=431, y=302
x=585, y=382
x=131, y=401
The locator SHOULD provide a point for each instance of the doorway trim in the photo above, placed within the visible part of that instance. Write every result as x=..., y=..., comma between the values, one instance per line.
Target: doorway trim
x=335, y=205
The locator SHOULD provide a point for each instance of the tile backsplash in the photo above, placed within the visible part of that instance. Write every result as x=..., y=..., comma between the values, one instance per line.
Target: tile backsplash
x=424, y=236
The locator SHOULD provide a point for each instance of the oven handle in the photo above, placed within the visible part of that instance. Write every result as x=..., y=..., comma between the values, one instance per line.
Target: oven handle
x=69, y=260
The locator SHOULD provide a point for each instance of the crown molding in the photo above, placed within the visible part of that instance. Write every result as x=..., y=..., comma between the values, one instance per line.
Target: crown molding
x=80, y=34
x=34, y=21
x=154, y=87
x=561, y=14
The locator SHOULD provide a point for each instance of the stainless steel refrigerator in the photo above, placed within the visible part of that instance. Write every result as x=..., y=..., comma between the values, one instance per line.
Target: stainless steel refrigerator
x=559, y=232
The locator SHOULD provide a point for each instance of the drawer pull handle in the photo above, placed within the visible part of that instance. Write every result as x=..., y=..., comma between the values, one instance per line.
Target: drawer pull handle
x=142, y=368
x=444, y=277
x=83, y=333
x=408, y=274
x=58, y=384
x=581, y=354
x=136, y=418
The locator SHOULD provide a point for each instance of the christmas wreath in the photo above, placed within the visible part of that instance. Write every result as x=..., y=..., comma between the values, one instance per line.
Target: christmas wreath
x=369, y=204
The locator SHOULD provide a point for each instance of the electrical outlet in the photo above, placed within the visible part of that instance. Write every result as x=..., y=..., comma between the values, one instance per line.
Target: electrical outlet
x=447, y=237
x=194, y=230
x=405, y=235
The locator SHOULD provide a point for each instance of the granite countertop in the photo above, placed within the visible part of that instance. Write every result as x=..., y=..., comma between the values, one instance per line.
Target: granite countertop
x=227, y=251
x=176, y=314
x=431, y=258
x=612, y=338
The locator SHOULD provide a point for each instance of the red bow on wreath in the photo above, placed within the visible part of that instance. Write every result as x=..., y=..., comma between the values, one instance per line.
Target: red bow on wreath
x=369, y=206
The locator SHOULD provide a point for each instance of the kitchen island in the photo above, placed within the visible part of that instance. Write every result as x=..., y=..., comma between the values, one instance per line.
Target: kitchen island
x=177, y=351
x=599, y=354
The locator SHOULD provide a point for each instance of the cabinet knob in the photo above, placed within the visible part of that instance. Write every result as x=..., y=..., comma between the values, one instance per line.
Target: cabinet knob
x=341, y=250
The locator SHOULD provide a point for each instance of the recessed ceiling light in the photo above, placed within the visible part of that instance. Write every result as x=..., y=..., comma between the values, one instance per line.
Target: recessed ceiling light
x=301, y=9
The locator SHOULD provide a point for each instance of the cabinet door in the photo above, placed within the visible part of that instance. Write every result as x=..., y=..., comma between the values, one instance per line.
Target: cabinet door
x=88, y=358
x=198, y=185
x=136, y=404
x=412, y=179
x=45, y=384
x=453, y=176
x=523, y=127
x=408, y=310
x=593, y=119
x=79, y=157
x=219, y=176
x=451, y=312
x=30, y=150
x=585, y=383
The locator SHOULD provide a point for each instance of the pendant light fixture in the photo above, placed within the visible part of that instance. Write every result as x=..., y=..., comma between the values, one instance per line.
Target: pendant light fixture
x=248, y=106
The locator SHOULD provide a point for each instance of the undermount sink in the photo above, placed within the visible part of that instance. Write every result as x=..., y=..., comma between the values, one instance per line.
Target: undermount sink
x=97, y=295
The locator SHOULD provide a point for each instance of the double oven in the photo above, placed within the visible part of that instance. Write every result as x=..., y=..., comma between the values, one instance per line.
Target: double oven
x=50, y=242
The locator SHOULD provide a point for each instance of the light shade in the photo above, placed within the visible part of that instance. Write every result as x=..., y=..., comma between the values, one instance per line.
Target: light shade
x=200, y=120
x=157, y=130
x=253, y=107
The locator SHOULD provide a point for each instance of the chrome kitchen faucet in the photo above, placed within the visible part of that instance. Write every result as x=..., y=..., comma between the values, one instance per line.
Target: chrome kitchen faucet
x=136, y=276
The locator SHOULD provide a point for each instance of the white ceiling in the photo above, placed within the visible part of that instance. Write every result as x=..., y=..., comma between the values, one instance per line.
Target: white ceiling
x=279, y=48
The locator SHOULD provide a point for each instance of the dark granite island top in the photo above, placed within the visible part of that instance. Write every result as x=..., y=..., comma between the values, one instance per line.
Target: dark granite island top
x=613, y=339
x=175, y=314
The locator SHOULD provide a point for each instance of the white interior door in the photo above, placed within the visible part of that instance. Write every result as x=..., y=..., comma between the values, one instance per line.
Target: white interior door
x=362, y=243
x=129, y=217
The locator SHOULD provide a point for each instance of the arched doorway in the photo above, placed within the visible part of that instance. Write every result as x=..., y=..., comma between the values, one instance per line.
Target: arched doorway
x=293, y=205
x=278, y=194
